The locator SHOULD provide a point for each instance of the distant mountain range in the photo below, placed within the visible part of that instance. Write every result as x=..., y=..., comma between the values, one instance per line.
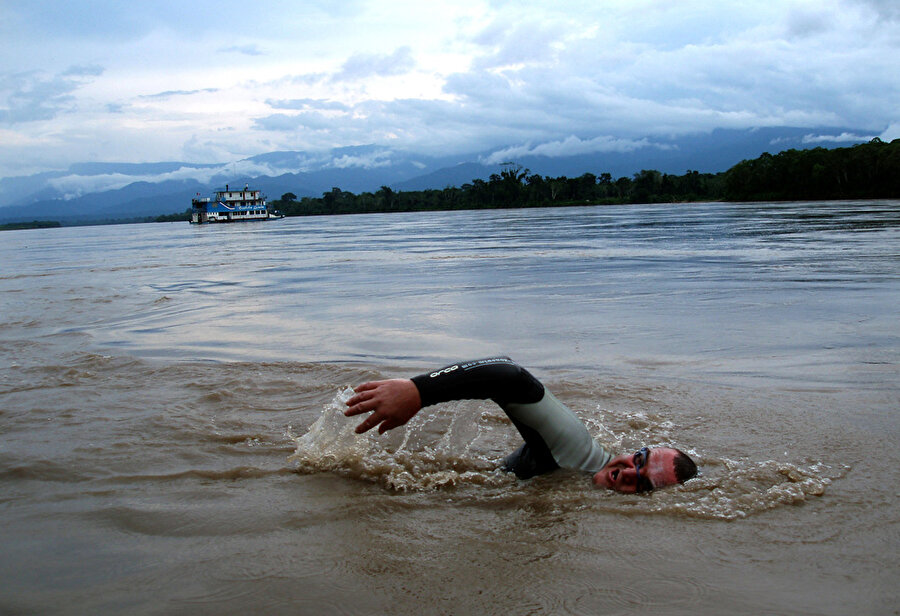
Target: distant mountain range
x=107, y=191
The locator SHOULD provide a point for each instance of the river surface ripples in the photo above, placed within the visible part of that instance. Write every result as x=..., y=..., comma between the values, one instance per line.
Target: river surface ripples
x=172, y=441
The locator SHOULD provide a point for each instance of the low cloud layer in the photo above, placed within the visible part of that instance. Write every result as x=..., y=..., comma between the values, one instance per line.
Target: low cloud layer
x=570, y=146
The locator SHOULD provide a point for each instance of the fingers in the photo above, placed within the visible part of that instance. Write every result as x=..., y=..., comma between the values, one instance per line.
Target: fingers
x=363, y=402
x=370, y=422
x=386, y=425
x=364, y=392
x=374, y=420
x=358, y=408
x=358, y=398
x=367, y=386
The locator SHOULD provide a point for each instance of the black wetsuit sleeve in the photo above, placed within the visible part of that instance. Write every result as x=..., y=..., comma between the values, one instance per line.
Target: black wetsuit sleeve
x=497, y=378
x=505, y=382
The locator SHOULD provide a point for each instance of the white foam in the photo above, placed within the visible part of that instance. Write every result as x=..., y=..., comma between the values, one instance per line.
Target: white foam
x=409, y=458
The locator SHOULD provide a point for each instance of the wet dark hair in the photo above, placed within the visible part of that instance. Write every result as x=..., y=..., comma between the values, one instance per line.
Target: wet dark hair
x=684, y=467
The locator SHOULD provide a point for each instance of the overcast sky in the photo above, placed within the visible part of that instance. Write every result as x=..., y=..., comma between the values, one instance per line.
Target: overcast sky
x=217, y=81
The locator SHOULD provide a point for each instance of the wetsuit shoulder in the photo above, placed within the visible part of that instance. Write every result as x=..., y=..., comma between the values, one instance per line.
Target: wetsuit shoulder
x=496, y=378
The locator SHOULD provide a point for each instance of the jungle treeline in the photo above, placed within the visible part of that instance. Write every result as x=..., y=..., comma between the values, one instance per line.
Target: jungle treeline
x=865, y=171
x=34, y=224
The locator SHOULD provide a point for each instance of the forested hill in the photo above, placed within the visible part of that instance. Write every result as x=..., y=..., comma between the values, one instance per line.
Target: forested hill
x=866, y=171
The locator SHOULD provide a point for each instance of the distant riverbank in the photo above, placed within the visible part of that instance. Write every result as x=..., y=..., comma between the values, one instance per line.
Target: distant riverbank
x=865, y=171
x=34, y=224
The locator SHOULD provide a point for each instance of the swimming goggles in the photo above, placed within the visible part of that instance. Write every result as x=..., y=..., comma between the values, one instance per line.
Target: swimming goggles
x=641, y=459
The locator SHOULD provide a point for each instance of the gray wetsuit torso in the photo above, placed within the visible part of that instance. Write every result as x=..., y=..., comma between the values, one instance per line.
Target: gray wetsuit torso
x=554, y=436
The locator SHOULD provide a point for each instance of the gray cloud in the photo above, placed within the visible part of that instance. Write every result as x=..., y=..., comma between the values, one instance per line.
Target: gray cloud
x=808, y=22
x=886, y=9
x=281, y=122
x=83, y=71
x=359, y=66
x=529, y=42
x=419, y=124
x=277, y=122
x=31, y=97
x=802, y=70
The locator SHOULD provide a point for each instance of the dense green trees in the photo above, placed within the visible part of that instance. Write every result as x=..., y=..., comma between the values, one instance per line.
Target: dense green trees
x=515, y=187
x=34, y=224
x=866, y=171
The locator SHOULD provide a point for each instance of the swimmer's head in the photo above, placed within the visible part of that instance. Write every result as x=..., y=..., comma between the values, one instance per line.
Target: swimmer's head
x=645, y=470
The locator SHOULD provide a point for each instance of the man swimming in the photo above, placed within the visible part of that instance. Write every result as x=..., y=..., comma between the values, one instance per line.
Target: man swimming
x=554, y=436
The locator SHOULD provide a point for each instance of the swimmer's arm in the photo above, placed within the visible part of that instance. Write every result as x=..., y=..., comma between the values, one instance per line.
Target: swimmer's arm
x=392, y=403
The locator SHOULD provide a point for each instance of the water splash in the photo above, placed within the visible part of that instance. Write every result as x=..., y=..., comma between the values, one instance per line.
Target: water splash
x=454, y=445
x=733, y=489
x=726, y=489
x=413, y=458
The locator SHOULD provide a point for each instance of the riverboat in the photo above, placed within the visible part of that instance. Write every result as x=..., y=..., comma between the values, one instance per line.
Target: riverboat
x=231, y=206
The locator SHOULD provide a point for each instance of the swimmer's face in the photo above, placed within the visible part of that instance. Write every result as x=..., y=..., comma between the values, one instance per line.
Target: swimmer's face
x=639, y=471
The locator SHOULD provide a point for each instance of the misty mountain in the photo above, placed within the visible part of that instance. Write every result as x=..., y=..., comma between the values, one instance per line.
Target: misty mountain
x=102, y=191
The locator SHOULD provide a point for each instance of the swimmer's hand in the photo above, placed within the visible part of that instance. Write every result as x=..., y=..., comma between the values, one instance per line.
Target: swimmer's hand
x=392, y=403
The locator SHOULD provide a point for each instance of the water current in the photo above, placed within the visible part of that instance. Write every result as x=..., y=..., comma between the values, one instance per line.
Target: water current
x=172, y=441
